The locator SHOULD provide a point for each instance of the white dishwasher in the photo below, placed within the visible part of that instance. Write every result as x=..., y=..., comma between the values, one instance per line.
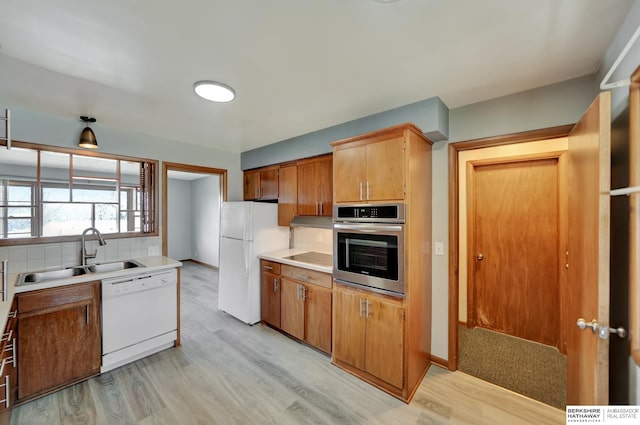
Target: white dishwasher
x=139, y=316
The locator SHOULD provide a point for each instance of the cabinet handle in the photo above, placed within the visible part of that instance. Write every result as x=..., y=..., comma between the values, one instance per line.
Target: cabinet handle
x=361, y=191
x=368, y=190
x=268, y=268
x=360, y=307
x=5, y=279
x=321, y=208
x=14, y=357
x=87, y=315
x=6, y=391
x=304, y=293
x=316, y=208
x=367, y=311
x=7, y=336
x=275, y=284
x=13, y=314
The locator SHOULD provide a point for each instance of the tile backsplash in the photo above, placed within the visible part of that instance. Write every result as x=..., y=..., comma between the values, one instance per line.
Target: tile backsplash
x=55, y=256
x=311, y=239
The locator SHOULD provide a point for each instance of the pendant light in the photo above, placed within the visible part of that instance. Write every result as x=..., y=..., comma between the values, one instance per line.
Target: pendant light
x=88, y=137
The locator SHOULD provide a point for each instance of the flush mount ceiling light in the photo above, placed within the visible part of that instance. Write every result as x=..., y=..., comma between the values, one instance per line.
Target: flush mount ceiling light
x=214, y=91
x=87, y=136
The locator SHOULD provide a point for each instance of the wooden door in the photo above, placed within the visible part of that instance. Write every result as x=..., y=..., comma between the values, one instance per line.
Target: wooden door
x=287, y=194
x=317, y=330
x=385, y=341
x=269, y=184
x=514, y=232
x=588, y=254
x=349, y=329
x=251, y=187
x=385, y=170
x=350, y=171
x=291, y=309
x=270, y=298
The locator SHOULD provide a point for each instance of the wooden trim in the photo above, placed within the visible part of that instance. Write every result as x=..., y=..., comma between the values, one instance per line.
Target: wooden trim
x=177, y=343
x=454, y=149
x=439, y=361
x=166, y=167
x=382, y=134
x=634, y=216
x=77, y=151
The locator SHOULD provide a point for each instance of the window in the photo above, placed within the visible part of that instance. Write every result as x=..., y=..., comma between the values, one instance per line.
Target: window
x=57, y=193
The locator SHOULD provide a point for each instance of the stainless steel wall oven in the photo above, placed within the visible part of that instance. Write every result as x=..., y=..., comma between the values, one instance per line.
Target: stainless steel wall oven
x=368, y=246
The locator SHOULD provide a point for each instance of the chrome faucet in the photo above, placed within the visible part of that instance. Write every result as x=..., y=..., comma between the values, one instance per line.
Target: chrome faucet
x=85, y=254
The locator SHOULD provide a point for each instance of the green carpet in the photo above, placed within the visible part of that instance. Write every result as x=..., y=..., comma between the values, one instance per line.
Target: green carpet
x=529, y=368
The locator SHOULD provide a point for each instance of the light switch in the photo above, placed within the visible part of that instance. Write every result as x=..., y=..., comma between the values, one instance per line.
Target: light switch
x=439, y=248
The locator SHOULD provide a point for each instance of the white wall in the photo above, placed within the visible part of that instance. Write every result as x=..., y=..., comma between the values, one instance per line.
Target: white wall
x=179, y=219
x=205, y=219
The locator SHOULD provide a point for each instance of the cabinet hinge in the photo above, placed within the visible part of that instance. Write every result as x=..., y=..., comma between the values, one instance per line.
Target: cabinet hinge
x=404, y=190
x=404, y=145
x=404, y=315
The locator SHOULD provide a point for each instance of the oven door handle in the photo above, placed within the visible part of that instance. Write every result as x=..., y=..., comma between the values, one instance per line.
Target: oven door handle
x=378, y=228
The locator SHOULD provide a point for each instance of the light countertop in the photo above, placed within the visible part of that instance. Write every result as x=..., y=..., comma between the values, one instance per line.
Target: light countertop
x=150, y=264
x=279, y=257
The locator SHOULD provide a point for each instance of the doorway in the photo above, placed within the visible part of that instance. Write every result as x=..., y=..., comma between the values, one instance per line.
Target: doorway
x=192, y=194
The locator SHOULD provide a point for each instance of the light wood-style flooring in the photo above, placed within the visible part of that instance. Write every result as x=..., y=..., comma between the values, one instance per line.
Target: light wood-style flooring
x=229, y=373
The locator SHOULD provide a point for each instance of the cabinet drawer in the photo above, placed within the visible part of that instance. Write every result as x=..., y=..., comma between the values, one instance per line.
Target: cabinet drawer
x=307, y=275
x=48, y=298
x=269, y=266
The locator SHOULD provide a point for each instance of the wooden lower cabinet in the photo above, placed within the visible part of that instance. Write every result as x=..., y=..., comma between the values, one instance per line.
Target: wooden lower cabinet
x=369, y=335
x=297, y=301
x=8, y=364
x=270, y=289
x=59, y=337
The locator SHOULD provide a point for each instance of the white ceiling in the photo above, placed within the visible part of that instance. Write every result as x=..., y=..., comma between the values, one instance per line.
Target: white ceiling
x=297, y=65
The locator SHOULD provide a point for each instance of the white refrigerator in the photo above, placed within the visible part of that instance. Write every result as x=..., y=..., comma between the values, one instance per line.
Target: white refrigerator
x=247, y=229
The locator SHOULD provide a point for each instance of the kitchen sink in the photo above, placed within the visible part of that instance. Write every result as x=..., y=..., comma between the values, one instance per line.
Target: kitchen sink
x=112, y=267
x=45, y=276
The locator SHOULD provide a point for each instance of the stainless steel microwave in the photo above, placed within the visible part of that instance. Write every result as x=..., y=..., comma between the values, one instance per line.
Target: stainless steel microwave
x=369, y=249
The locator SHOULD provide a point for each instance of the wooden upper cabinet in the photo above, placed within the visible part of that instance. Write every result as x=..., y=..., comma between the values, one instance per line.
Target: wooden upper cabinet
x=370, y=169
x=315, y=188
x=261, y=184
x=287, y=194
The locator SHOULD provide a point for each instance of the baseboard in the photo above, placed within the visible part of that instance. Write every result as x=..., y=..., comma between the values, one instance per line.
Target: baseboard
x=439, y=361
x=202, y=264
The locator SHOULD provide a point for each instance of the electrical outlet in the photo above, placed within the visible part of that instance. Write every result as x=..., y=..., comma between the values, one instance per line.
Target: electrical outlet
x=439, y=248
x=153, y=250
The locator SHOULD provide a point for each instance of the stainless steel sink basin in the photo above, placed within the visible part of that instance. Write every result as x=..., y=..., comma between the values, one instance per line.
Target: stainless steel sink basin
x=45, y=276
x=112, y=267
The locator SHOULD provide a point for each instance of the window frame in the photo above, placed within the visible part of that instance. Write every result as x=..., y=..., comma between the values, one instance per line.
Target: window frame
x=149, y=219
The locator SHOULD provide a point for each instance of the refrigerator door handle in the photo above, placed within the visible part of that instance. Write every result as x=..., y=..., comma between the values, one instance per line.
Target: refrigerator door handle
x=246, y=248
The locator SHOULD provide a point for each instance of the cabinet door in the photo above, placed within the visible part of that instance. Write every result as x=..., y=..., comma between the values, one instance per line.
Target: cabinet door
x=384, y=341
x=291, y=309
x=349, y=173
x=251, y=185
x=385, y=170
x=287, y=194
x=268, y=184
x=270, y=298
x=58, y=344
x=317, y=330
x=349, y=329
x=315, y=190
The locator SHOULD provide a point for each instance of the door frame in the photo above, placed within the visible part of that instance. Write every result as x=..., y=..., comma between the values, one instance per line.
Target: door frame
x=454, y=188
x=174, y=166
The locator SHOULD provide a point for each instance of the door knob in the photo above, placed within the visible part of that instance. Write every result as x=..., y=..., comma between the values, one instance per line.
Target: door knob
x=480, y=257
x=602, y=331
